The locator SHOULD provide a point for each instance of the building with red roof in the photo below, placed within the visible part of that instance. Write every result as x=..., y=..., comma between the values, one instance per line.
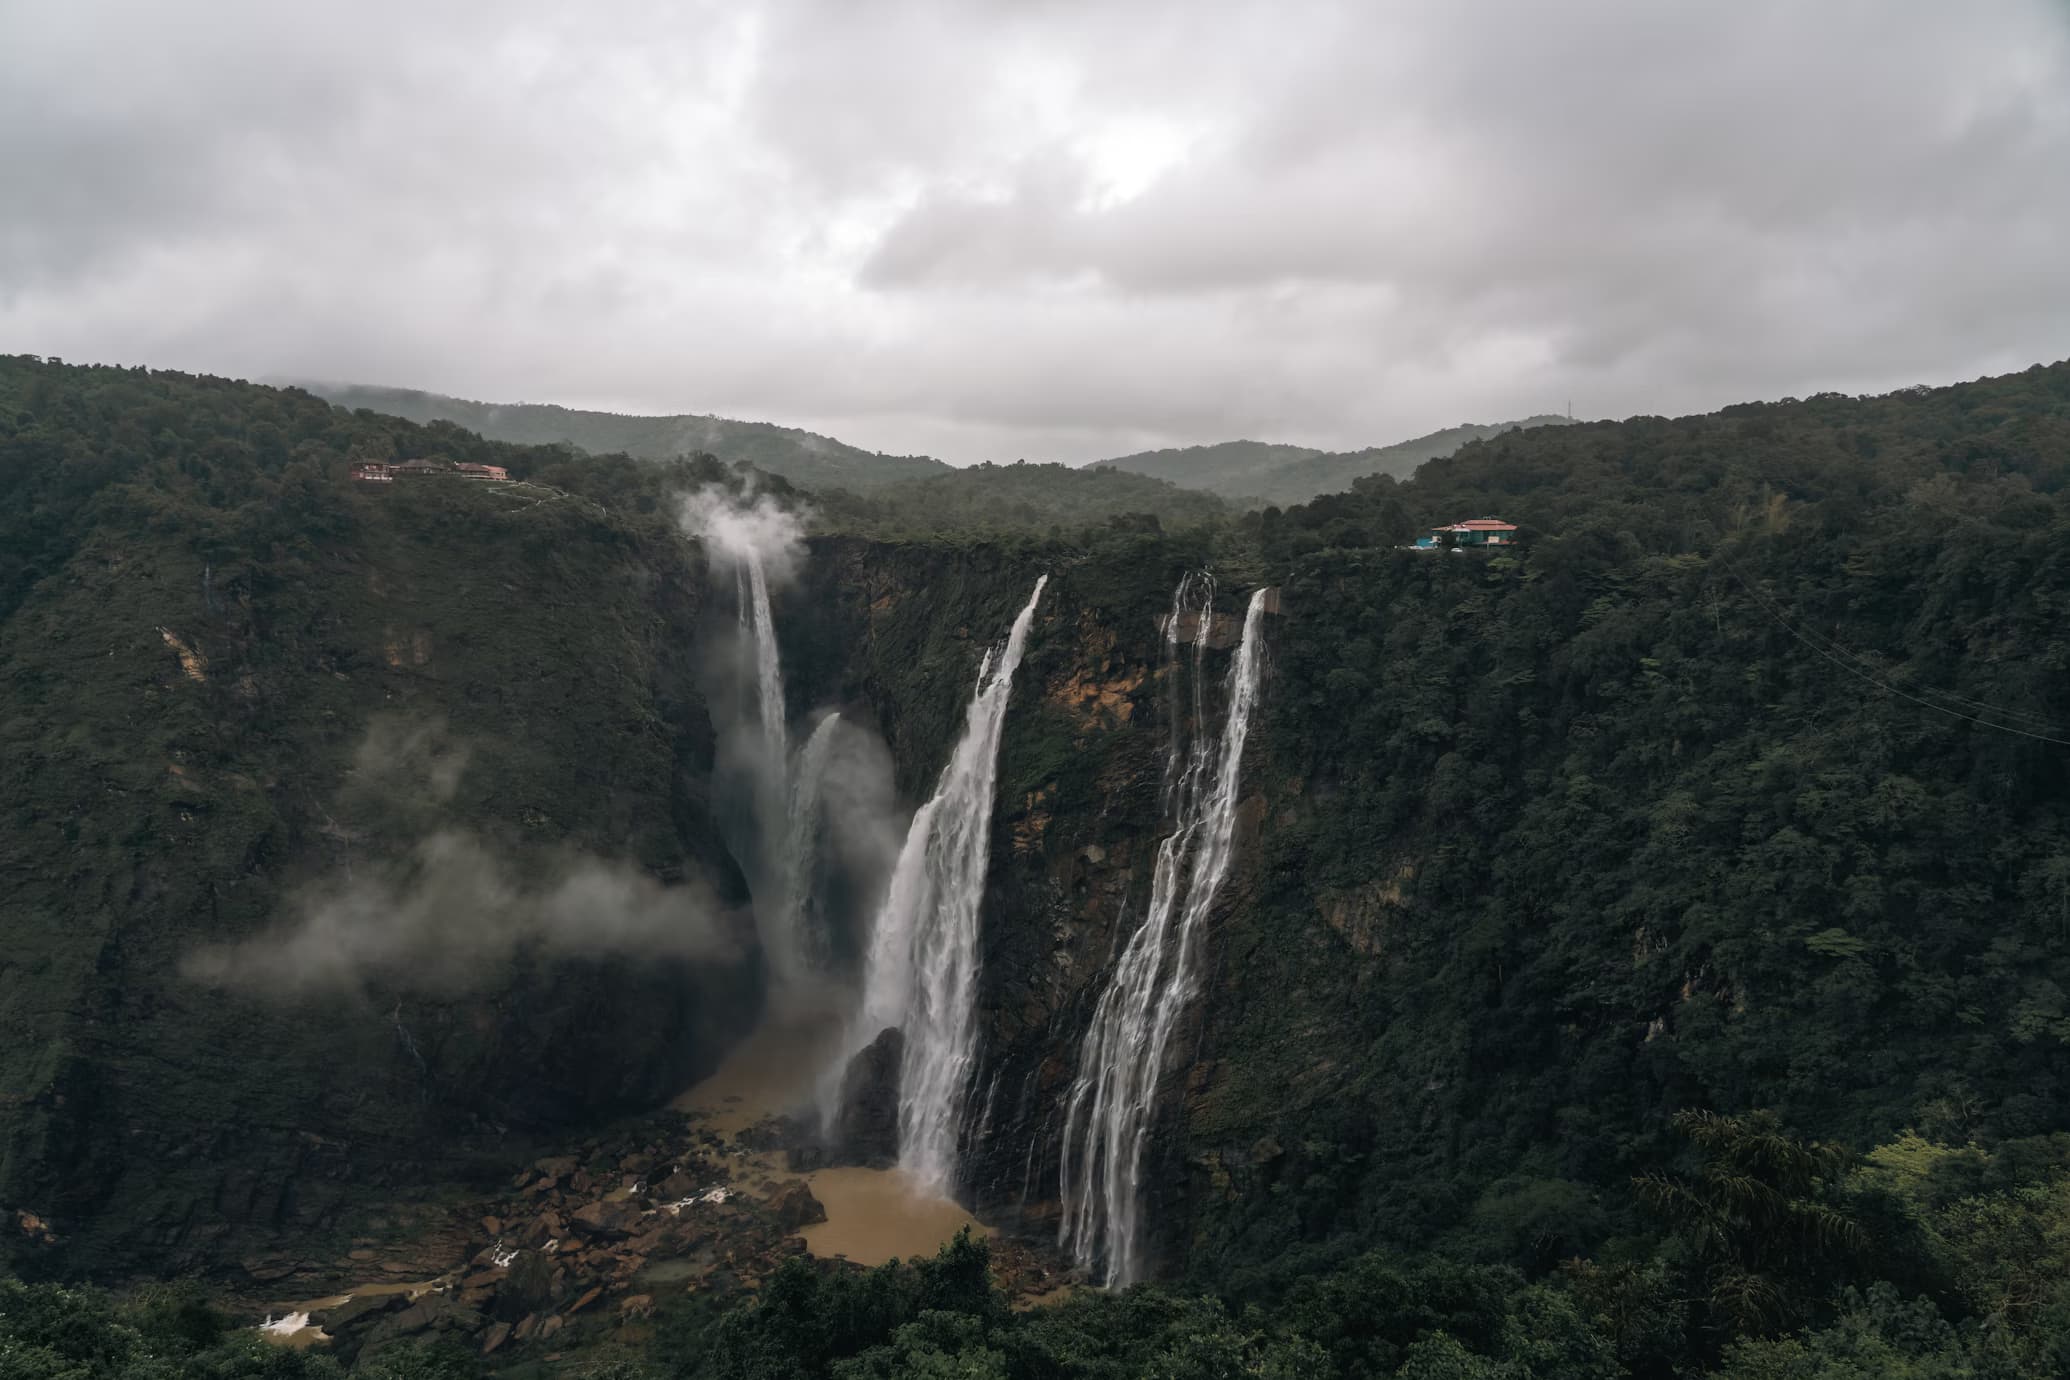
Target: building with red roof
x=1474, y=532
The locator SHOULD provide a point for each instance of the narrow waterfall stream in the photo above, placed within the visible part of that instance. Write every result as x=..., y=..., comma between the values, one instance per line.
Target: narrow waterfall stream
x=758, y=629
x=921, y=973
x=1111, y=1108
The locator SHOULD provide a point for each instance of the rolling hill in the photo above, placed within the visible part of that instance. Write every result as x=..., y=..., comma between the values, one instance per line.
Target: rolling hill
x=1263, y=472
x=818, y=462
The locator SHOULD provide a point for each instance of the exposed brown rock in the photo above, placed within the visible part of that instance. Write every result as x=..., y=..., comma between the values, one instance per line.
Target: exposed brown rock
x=360, y=1310
x=495, y=1337
x=602, y=1219
x=795, y=1206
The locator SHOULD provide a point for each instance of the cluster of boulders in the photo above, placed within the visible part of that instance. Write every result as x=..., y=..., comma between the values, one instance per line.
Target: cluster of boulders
x=578, y=1237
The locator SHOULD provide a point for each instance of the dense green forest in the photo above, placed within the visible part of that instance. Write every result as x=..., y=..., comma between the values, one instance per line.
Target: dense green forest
x=1651, y=958
x=1254, y=472
x=801, y=456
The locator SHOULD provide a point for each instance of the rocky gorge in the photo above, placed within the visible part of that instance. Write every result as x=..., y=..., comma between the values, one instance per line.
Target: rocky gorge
x=375, y=878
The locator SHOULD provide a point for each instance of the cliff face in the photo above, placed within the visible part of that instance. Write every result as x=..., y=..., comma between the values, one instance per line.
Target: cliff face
x=1078, y=815
x=1532, y=852
x=230, y=776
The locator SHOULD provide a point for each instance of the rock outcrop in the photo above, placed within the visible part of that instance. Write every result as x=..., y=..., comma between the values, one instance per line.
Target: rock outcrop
x=865, y=1128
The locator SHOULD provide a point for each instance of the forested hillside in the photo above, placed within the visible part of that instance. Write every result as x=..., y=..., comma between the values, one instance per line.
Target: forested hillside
x=800, y=456
x=240, y=689
x=1228, y=468
x=1646, y=952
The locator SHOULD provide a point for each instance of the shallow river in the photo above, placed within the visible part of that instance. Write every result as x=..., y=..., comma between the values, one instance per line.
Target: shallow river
x=873, y=1215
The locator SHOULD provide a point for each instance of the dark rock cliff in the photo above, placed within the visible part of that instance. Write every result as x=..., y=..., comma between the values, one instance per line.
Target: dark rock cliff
x=1078, y=815
x=206, y=744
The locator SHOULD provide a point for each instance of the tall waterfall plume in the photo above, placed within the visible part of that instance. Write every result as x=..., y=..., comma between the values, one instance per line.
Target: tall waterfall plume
x=759, y=543
x=758, y=631
x=921, y=972
x=1111, y=1108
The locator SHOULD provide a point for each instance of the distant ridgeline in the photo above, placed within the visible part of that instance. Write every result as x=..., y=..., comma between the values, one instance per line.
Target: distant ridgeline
x=1644, y=947
x=1258, y=473
x=800, y=456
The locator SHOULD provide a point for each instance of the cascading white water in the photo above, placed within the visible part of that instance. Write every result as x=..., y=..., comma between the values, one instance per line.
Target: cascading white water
x=773, y=810
x=1109, y=1112
x=758, y=629
x=921, y=973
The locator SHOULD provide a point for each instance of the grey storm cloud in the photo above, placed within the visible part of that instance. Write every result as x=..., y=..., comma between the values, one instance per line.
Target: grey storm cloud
x=1053, y=230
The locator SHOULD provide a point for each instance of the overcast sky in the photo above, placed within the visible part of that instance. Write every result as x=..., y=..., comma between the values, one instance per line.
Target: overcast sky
x=1042, y=228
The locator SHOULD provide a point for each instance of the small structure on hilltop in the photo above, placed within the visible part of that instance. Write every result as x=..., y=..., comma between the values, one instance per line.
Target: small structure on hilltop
x=376, y=472
x=1473, y=534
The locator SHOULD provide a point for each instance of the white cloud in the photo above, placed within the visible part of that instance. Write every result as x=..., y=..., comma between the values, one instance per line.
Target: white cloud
x=1054, y=230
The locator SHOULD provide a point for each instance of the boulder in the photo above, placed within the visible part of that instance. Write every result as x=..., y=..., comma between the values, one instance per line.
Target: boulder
x=866, y=1123
x=608, y=1221
x=359, y=1311
x=795, y=1207
x=495, y=1337
x=529, y=1288
x=547, y=1226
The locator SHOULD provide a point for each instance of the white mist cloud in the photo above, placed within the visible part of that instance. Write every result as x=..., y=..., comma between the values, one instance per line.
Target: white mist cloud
x=452, y=913
x=859, y=805
x=734, y=527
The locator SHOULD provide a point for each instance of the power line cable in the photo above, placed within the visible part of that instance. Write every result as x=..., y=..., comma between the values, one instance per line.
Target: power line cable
x=1885, y=685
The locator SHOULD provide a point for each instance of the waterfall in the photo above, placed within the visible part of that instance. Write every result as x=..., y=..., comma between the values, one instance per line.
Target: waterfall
x=1109, y=1112
x=921, y=974
x=758, y=630
x=775, y=915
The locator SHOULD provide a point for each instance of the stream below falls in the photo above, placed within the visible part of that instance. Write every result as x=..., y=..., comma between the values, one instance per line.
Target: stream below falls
x=873, y=1215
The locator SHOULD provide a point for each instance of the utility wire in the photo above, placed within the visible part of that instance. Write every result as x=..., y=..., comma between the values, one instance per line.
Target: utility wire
x=1869, y=668
x=1886, y=686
